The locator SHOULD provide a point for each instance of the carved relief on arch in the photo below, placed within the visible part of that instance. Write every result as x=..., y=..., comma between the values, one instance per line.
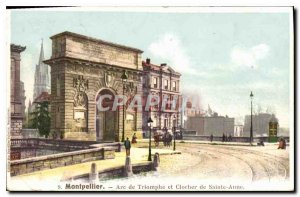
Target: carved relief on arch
x=80, y=100
x=80, y=84
x=109, y=80
x=80, y=104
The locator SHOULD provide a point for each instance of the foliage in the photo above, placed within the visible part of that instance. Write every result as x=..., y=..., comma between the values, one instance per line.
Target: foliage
x=40, y=118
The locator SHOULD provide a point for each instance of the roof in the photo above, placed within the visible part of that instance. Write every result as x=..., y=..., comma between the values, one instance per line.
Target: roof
x=67, y=33
x=158, y=68
x=44, y=96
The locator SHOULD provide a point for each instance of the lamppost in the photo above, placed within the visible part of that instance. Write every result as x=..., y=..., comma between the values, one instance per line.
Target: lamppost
x=124, y=78
x=149, y=121
x=251, y=124
x=174, y=133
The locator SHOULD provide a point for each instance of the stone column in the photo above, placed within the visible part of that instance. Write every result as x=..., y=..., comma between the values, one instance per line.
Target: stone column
x=128, y=167
x=156, y=161
x=93, y=173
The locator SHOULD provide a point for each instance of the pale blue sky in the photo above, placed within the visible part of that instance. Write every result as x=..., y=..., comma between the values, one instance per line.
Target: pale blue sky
x=222, y=56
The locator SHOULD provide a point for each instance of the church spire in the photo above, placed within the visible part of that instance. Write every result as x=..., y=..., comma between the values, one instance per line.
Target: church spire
x=41, y=77
x=41, y=54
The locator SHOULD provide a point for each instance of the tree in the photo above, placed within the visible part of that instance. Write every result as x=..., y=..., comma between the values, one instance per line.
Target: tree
x=41, y=118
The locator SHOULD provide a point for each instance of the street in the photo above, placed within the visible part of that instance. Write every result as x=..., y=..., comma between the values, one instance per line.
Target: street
x=216, y=162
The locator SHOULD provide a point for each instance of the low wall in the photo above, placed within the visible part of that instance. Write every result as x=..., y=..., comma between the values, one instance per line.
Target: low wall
x=32, y=147
x=117, y=172
x=234, y=139
x=29, y=165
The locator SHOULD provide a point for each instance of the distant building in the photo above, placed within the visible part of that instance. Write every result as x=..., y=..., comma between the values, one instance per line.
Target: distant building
x=16, y=111
x=43, y=97
x=41, y=76
x=164, y=82
x=260, y=124
x=192, y=107
x=238, y=130
x=216, y=125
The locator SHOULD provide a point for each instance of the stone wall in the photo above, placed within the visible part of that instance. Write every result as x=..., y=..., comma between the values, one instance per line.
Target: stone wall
x=29, y=165
x=16, y=127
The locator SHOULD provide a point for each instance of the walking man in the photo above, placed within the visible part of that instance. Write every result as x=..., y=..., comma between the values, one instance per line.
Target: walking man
x=127, y=145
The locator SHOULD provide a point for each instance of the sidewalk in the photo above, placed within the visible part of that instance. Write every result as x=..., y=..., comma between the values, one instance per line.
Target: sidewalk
x=138, y=155
x=213, y=142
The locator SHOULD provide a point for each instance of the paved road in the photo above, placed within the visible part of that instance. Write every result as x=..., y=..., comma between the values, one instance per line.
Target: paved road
x=227, y=162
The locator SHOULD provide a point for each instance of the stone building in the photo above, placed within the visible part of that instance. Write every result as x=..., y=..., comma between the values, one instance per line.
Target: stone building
x=16, y=111
x=41, y=76
x=23, y=98
x=260, y=124
x=216, y=125
x=238, y=130
x=83, y=69
x=163, y=82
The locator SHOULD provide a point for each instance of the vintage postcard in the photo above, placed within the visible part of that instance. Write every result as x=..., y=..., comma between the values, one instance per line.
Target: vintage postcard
x=150, y=99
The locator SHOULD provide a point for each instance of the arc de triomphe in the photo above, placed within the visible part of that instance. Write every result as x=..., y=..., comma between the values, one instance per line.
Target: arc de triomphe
x=83, y=69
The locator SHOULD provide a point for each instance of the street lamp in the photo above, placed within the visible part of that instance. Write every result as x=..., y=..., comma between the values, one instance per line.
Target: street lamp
x=149, y=121
x=251, y=124
x=174, y=133
x=124, y=78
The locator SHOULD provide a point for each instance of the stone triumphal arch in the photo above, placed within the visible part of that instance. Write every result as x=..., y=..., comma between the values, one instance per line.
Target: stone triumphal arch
x=83, y=69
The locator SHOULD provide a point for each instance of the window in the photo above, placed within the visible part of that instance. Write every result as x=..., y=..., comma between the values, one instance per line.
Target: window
x=166, y=84
x=155, y=82
x=174, y=85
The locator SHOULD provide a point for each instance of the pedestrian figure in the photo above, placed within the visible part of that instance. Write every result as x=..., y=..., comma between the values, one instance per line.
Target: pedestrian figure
x=133, y=141
x=156, y=139
x=170, y=139
x=165, y=139
x=282, y=144
x=230, y=137
x=211, y=137
x=127, y=145
x=223, y=138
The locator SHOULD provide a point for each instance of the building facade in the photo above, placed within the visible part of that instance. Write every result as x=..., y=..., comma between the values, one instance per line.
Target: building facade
x=83, y=70
x=16, y=111
x=163, y=82
x=260, y=124
x=238, y=130
x=23, y=98
x=216, y=125
x=41, y=76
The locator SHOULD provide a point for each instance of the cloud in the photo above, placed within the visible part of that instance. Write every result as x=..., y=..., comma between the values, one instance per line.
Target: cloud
x=249, y=57
x=169, y=48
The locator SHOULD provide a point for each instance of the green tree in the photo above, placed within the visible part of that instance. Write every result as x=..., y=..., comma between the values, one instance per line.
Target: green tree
x=41, y=118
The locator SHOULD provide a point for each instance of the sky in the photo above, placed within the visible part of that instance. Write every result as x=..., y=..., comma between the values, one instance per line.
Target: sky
x=222, y=56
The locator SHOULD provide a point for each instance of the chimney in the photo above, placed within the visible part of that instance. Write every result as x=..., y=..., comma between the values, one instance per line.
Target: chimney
x=163, y=64
x=148, y=61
